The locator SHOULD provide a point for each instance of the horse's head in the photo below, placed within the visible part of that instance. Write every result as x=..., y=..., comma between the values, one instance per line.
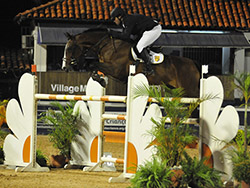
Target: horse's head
x=81, y=51
x=74, y=54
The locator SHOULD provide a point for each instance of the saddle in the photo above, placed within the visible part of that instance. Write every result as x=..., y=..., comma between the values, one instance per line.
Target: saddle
x=155, y=57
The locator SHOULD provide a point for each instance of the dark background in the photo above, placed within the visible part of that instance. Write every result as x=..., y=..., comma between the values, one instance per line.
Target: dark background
x=10, y=31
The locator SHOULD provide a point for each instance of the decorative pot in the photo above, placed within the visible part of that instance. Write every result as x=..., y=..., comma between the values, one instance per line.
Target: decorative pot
x=58, y=161
x=178, y=172
x=244, y=185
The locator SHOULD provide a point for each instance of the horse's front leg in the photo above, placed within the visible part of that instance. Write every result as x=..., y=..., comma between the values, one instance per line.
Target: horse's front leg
x=100, y=78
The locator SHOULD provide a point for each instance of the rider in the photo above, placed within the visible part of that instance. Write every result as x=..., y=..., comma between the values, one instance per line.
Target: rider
x=144, y=28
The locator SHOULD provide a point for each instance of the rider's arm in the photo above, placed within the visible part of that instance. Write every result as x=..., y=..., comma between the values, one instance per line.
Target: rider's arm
x=120, y=35
x=128, y=25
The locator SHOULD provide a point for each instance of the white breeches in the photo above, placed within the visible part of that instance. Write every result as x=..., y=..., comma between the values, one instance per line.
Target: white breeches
x=148, y=38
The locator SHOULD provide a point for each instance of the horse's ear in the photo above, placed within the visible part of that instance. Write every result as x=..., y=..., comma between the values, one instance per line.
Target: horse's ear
x=69, y=36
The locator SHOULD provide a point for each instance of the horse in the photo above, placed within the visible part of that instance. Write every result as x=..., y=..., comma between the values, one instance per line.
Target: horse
x=97, y=50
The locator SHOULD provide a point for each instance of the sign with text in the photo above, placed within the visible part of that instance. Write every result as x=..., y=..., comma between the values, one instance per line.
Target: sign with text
x=73, y=83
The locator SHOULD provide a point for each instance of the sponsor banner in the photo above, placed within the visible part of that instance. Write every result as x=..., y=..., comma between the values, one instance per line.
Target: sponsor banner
x=69, y=89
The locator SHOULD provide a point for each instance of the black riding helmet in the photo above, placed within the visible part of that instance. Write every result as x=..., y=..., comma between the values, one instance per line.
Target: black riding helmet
x=116, y=12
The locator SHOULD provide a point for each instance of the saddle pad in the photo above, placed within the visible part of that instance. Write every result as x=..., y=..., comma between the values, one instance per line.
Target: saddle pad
x=156, y=58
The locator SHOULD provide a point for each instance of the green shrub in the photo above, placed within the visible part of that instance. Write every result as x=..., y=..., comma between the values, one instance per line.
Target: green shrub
x=64, y=124
x=197, y=174
x=153, y=174
x=1, y=155
x=248, y=137
x=41, y=159
x=3, y=134
x=172, y=139
x=241, y=160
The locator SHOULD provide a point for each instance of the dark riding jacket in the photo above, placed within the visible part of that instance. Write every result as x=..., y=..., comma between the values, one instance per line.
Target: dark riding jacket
x=134, y=24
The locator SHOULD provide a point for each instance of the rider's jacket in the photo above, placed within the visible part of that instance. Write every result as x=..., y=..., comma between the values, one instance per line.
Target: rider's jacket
x=135, y=24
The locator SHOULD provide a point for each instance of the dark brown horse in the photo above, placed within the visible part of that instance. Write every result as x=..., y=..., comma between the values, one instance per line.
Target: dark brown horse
x=96, y=50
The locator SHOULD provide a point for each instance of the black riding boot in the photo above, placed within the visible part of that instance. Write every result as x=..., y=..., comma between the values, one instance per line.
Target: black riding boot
x=146, y=58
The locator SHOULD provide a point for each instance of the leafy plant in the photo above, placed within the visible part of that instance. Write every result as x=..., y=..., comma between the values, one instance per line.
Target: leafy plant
x=3, y=134
x=41, y=159
x=242, y=84
x=171, y=139
x=3, y=111
x=241, y=161
x=197, y=174
x=1, y=155
x=152, y=174
x=64, y=124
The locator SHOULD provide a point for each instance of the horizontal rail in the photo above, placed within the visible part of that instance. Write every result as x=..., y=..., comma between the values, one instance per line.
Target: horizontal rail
x=81, y=97
x=108, y=98
x=114, y=116
x=113, y=160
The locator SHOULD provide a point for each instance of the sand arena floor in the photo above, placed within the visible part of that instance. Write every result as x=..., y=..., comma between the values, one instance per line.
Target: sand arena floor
x=74, y=178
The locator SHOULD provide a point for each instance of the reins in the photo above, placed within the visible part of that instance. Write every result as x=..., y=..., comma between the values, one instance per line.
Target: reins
x=94, y=46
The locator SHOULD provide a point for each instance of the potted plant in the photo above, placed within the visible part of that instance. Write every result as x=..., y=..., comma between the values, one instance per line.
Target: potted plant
x=171, y=139
x=41, y=159
x=241, y=157
x=3, y=134
x=242, y=84
x=152, y=174
x=241, y=162
x=197, y=174
x=3, y=111
x=63, y=132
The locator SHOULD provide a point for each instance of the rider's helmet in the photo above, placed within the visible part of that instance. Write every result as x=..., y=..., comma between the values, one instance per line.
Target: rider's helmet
x=116, y=12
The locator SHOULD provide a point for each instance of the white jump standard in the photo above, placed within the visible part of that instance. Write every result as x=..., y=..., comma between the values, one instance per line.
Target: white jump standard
x=21, y=118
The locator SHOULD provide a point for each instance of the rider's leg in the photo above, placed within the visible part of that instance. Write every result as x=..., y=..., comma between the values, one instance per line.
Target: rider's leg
x=146, y=58
x=147, y=39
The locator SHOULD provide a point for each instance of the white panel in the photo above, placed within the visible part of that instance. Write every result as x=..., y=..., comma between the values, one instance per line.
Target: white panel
x=20, y=120
x=90, y=125
x=40, y=53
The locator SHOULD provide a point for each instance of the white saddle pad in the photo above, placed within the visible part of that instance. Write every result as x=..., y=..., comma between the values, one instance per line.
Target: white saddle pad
x=156, y=58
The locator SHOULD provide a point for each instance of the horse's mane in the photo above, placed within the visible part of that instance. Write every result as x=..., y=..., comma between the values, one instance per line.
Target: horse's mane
x=98, y=29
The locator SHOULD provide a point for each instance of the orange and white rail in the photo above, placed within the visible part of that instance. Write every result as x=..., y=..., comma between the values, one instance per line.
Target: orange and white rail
x=81, y=97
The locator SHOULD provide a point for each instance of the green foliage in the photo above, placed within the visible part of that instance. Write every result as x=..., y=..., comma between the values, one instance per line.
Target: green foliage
x=241, y=161
x=3, y=134
x=64, y=124
x=197, y=174
x=41, y=159
x=242, y=84
x=1, y=155
x=241, y=168
x=153, y=174
x=248, y=137
x=171, y=140
x=240, y=156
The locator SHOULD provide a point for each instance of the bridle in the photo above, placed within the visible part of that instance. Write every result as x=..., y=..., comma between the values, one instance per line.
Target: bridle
x=90, y=53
